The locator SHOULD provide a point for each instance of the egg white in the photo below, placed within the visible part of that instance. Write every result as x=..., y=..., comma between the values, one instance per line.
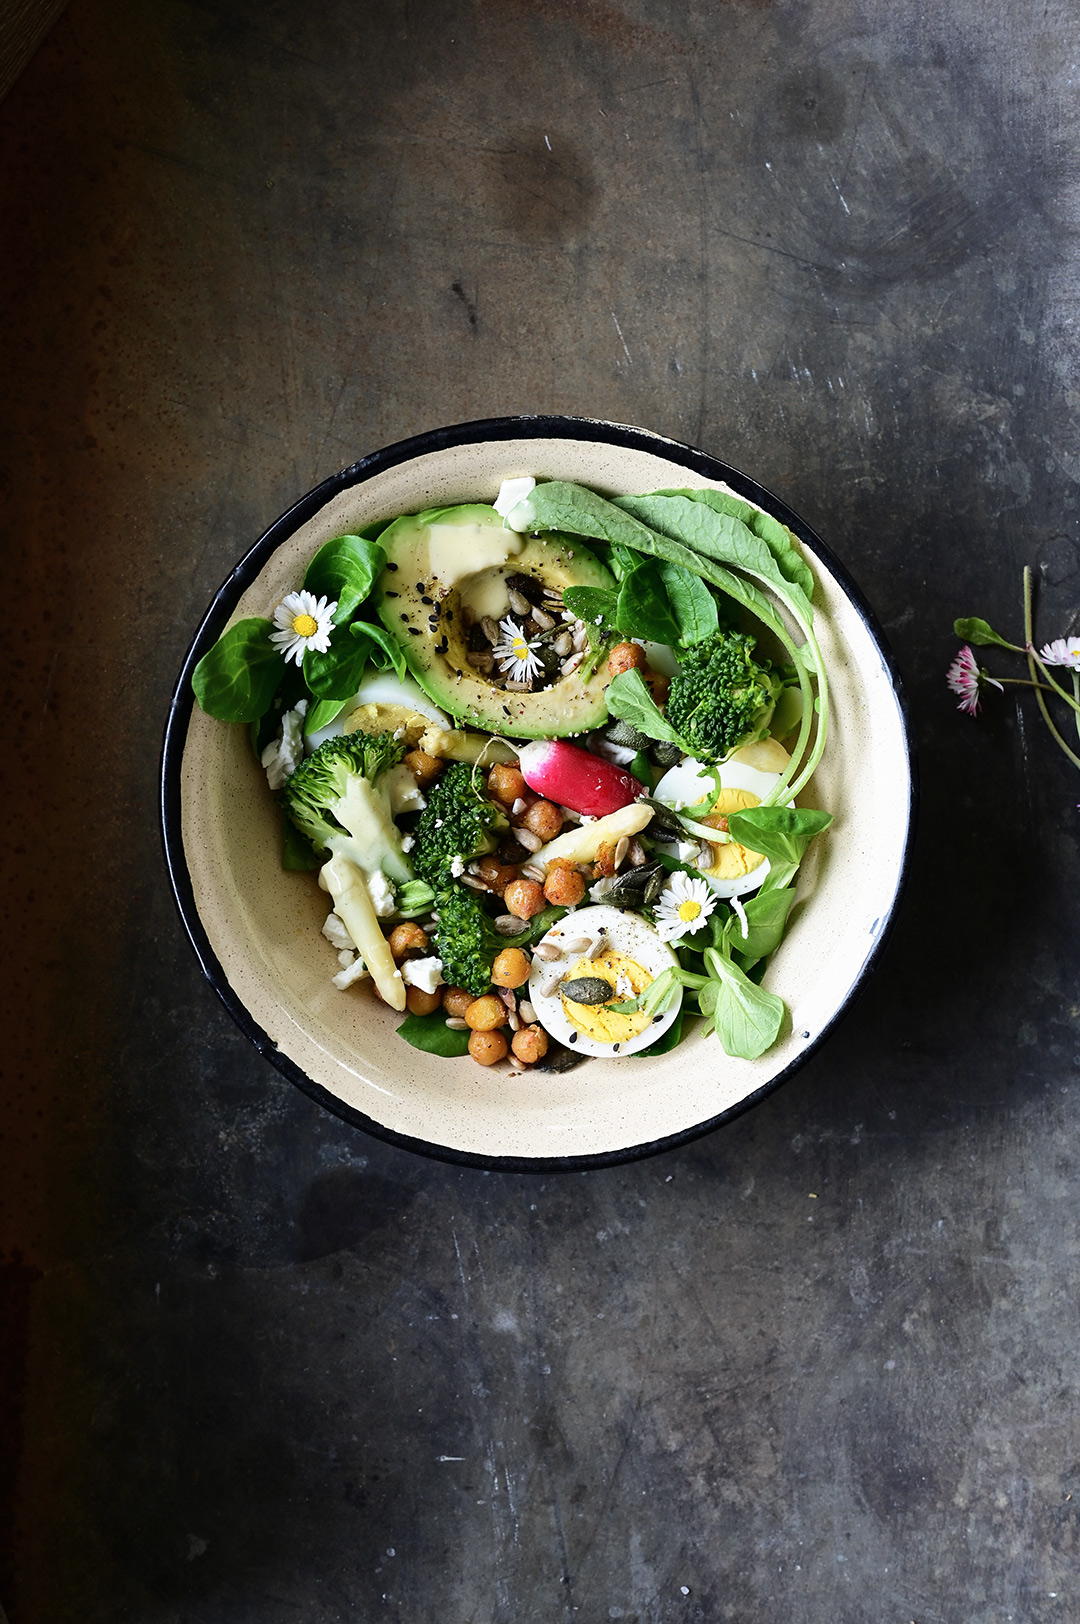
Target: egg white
x=627, y=933
x=381, y=688
x=688, y=783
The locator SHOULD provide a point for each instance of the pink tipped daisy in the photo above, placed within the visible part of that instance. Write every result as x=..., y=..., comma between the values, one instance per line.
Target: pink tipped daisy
x=965, y=677
x=1062, y=651
x=302, y=622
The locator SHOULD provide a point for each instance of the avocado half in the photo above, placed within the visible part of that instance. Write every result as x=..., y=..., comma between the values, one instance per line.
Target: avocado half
x=447, y=568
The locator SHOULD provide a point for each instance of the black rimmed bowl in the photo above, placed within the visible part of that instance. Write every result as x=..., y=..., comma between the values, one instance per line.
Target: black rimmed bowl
x=257, y=929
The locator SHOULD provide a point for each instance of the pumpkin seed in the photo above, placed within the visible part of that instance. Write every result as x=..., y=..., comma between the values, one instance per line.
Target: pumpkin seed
x=587, y=990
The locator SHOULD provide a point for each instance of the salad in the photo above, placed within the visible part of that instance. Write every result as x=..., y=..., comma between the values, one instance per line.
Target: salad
x=544, y=756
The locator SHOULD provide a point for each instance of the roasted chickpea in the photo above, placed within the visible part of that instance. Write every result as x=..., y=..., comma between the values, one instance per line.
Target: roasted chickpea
x=523, y=898
x=486, y=1013
x=625, y=657
x=419, y=1002
x=496, y=874
x=487, y=1047
x=564, y=885
x=544, y=819
x=511, y=968
x=604, y=866
x=530, y=1043
x=408, y=938
x=424, y=768
x=455, y=1001
x=659, y=683
x=506, y=783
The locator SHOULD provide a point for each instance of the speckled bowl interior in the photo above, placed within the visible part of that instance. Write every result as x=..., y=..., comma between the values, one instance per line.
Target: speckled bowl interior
x=257, y=930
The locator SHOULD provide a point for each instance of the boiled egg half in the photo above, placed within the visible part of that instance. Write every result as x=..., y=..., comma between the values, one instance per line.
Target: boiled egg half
x=745, y=780
x=383, y=703
x=604, y=944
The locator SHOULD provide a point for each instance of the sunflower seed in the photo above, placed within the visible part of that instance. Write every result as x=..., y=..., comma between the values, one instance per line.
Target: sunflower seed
x=622, y=846
x=526, y=1011
x=490, y=629
x=533, y=871
x=581, y=638
x=474, y=882
x=518, y=602
x=508, y=924
x=513, y=1021
x=636, y=855
x=543, y=622
x=481, y=662
x=525, y=687
x=518, y=1065
x=599, y=946
x=456, y=1024
x=547, y=951
x=569, y=666
x=563, y=644
x=526, y=838
x=580, y=944
x=569, y=815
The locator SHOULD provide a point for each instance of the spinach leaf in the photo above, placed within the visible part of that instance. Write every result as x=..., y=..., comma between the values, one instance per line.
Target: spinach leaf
x=431, y=1033
x=643, y=609
x=596, y=607
x=346, y=569
x=747, y=1019
x=781, y=833
x=376, y=638
x=629, y=699
x=776, y=536
x=322, y=713
x=335, y=674
x=237, y=679
x=716, y=535
x=766, y=918
x=692, y=604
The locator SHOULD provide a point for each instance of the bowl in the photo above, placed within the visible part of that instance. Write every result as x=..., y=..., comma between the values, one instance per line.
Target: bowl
x=257, y=929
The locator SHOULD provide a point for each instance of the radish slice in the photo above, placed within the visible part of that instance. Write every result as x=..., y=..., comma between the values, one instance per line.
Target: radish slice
x=573, y=777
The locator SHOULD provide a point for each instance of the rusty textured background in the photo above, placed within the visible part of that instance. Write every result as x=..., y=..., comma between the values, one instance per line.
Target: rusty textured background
x=819, y=1367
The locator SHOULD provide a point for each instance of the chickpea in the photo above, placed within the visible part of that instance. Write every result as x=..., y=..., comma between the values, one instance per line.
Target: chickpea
x=424, y=768
x=486, y=1013
x=419, y=1002
x=604, y=866
x=487, y=1047
x=496, y=874
x=455, y=1001
x=544, y=819
x=564, y=885
x=511, y=968
x=625, y=657
x=530, y=1043
x=408, y=938
x=523, y=898
x=506, y=783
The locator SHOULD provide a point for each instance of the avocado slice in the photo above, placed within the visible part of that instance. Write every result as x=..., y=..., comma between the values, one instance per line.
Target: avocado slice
x=446, y=570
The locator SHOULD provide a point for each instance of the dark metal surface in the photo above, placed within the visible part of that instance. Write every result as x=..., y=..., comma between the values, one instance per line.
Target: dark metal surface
x=815, y=1367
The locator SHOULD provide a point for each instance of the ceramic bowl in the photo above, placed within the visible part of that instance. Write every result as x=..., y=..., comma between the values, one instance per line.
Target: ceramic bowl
x=256, y=929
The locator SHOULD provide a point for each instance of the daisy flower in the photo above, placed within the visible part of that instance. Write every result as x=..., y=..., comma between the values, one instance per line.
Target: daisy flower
x=1062, y=651
x=302, y=622
x=515, y=653
x=965, y=677
x=684, y=906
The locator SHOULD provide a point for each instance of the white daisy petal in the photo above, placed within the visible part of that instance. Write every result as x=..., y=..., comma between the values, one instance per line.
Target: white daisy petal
x=303, y=621
x=683, y=907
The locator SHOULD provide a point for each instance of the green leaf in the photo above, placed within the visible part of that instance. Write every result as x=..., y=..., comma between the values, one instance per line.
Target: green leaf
x=643, y=609
x=322, y=713
x=692, y=604
x=431, y=1033
x=336, y=673
x=596, y=608
x=298, y=854
x=237, y=679
x=780, y=833
x=346, y=569
x=776, y=536
x=978, y=632
x=414, y=898
x=629, y=699
x=384, y=651
x=642, y=769
x=747, y=1019
x=766, y=918
x=716, y=535
x=671, y=1037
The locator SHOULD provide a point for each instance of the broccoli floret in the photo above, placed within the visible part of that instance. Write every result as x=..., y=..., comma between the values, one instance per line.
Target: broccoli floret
x=720, y=697
x=338, y=799
x=458, y=821
x=468, y=942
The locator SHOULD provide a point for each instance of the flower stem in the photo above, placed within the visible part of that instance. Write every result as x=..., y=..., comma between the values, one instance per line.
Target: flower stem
x=1033, y=663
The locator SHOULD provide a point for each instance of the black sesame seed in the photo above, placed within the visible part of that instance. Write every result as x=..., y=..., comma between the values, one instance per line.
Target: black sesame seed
x=414, y=631
x=389, y=594
x=427, y=600
x=573, y=1037
x=420, y=585
x=404, y=617
x=615, y=1048
x=391, y=566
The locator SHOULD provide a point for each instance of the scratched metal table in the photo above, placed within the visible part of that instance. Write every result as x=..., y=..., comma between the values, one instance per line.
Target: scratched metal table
x=818, y=1367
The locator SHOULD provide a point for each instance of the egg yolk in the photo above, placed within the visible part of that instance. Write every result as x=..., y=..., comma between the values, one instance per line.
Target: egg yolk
x=627, y=979
x=731, y=861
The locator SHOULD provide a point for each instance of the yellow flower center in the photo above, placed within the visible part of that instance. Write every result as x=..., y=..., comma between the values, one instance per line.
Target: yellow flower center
x=520, y=648
x=689, y=910
x=305, y=626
